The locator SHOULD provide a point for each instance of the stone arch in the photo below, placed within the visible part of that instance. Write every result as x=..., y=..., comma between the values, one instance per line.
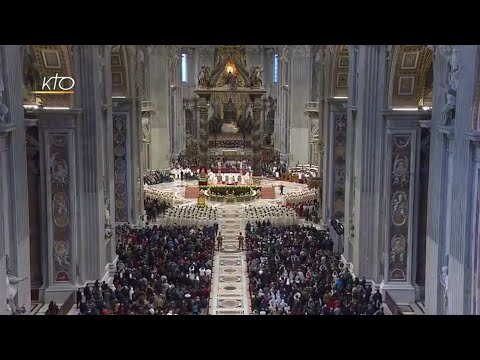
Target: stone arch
x=340, y=66
x=45, y=61
x=411, y=76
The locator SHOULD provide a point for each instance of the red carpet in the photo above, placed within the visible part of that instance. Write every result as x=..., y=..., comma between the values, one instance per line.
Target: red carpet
x=268, y=192
x=191, y=192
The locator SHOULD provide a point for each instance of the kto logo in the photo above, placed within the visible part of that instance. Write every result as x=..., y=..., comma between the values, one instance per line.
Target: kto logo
x=57, y=85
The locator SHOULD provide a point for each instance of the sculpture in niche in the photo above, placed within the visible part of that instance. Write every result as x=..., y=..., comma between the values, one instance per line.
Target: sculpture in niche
x=451, y=87
x=12, y=283
x=255, y=76
x=444, y=282
x=398, y=249
x=62, y=253
x=204, y=76
x=108, y=218
x=59, y=170
x=400, y=171
x=3, y=112
x=3, y=107
x=60, y=209
x=399, y=208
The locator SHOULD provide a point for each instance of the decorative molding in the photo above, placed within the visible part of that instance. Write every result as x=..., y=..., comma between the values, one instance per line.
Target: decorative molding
x=300, y=50
x=339, y=156
x=400, y=181
x=61, y=205
x=120, y=166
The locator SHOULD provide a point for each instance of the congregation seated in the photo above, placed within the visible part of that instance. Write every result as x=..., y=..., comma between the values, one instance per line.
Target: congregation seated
x=304, y=171
x=300, y=197
x=156, y=202
x=293, y=271
x=160, y=271
x=156, y=177
x=276, y=215
x=191, y=215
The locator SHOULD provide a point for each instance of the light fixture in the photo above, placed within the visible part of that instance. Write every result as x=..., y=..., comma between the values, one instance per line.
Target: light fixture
x=427, y=108
x=56, y=108
x=340, y=97
x=405, y=109
x=119, y=97
x=30, y=106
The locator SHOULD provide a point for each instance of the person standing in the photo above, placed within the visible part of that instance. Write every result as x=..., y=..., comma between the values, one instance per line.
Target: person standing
x=240, y=242
x=281, y=189
x=79, y=298
x=219, y=241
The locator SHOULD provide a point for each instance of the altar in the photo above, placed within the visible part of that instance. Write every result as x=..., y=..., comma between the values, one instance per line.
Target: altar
x=231, y=178
x=230, y=106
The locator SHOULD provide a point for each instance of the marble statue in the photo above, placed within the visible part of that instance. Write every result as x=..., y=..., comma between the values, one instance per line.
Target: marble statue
x=444, y=282
x=108, y=219
x=255, y=76
x=3, y=112
x=204, y=76
x=452, y=85
x=12, y=289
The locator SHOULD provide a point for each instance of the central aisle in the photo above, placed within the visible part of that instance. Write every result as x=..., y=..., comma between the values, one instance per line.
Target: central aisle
x=230, y=288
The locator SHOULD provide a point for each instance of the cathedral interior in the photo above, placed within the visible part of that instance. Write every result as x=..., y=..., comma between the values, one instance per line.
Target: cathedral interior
x=240, y=179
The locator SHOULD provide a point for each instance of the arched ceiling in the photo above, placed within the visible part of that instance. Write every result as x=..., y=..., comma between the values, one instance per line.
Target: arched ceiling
x=45, y=61
x=340, y=71
x=411, y=76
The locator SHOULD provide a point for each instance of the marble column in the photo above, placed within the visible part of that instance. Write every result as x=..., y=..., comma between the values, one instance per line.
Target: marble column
x=177, y=120
x=109, y=166
x=127, y=176
x=350, y=178
x=14, y=186
x=436, y=216
x=283, y=130
x=257, y=136
x=159, y=95
x=90, y=164
x=135, y=185
x=300, y=85
x=59, y=202
x=203, y=130
x=460, y=274
x=369, y=145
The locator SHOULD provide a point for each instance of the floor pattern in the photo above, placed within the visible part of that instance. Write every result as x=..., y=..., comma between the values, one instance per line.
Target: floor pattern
x=230, y=292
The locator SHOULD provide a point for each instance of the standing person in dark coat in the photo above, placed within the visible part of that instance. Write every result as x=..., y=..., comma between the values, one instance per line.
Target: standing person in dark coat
x=79, y=298
x=281, y=189
x=215, y=226
x=88, y=293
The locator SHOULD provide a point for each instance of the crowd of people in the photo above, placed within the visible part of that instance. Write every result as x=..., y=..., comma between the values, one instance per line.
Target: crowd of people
x=276, y=215
x=155, y=177
x=191, y=215
x=184, y=173
x=293, y=271
x=160, y=271
x=300, y=197
x=156, y=202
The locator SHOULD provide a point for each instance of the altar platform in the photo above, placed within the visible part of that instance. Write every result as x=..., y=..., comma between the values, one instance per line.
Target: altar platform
x=267, y=191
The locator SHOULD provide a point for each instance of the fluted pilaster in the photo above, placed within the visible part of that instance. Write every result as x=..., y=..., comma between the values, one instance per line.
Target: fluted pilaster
x=203, y=131
x=16, y=176
x=90, y=162
x=257, y=137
